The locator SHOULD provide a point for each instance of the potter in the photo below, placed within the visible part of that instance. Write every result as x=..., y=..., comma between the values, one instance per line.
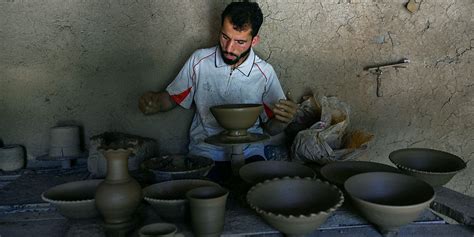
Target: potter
x=228, y=73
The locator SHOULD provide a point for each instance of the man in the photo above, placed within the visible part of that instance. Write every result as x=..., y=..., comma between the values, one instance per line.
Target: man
x=230, y=73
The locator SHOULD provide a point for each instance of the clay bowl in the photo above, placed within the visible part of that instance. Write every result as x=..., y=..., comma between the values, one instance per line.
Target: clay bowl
x=74, y=200
x=432, y=166
x=260, y=171
x=389, y=200
x=295, y=206
x=171, y=167
x=338, y=172
x=169, y=198
x=236, y=118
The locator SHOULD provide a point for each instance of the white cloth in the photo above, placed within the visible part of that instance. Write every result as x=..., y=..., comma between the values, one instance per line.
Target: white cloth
x=206, y=80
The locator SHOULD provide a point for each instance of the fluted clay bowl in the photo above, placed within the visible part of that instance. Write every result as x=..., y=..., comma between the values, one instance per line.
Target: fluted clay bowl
x=236, y=118
x=389, y=200
x=260, y=171
x=338, y=172
x=171, y=167
x=74, y=200
x=295, y=206
x=169, y=198
x=432, y=166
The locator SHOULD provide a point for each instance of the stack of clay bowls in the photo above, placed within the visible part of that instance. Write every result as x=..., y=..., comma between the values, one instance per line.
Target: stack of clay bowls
x=295, y=206
x=169, y=198
x=74, y=200
x=12, y=157
x=432, y=166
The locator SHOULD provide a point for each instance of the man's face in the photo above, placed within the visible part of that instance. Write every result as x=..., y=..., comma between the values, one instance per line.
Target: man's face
x=235, y=44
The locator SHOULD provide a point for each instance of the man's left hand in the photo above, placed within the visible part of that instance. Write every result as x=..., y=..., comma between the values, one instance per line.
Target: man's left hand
x=285, y=111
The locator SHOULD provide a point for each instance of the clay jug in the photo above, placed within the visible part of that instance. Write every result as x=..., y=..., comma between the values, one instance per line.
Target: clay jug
x=119, y=195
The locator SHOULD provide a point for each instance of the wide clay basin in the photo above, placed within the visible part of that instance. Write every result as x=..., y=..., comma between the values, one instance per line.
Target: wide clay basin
x=260, y=171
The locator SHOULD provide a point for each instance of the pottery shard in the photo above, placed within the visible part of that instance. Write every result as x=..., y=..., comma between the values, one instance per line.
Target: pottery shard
x=143, y=148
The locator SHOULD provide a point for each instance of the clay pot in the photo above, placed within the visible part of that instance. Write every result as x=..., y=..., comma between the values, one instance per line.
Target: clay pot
x=236, y=118
x=159, y=230
x=119, y=195
x=257, y=172
x=207, y=206
x=432, y=166
x=169, y=198
x=338, y=172
x=389, y=200
x=74, y=200
x=171, y=167
x=12, y=157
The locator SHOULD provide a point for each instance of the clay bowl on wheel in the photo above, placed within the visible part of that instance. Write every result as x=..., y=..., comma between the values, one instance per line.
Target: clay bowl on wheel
x=389, y=200
x=338, y=172
x=260, y=171
x=171, y=167
x=74, y=200
x=169, y=198
x=295, y=206
x=236, y=118
x=432, y=166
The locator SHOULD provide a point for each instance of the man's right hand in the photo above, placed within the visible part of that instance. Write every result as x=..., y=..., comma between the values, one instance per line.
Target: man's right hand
x=148, y=103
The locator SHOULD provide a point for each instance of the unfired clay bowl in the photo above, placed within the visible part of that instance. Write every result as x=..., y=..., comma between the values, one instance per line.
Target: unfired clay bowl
x=236, y=118
x=260, y=171
x=74, y=200
x=432, y=166
x=389, y=200
x=295, y=206
x=338, y=172
x=169, y=198
x=171, y=167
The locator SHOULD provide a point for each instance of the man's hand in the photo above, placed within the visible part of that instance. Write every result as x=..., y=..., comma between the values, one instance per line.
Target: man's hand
x=285, y=111
x=154, y=102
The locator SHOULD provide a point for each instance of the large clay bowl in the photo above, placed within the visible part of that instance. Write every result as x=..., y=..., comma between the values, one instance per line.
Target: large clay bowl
x=171, y=167
x=389, y=200
x=338, y=172
x=295, y=206
x=74, y=200
x=169, y=198
x=260, y=171
x=236, y=118
x=432, y=166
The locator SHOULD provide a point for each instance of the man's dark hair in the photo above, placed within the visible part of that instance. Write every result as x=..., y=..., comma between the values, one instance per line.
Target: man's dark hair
x=244, y=14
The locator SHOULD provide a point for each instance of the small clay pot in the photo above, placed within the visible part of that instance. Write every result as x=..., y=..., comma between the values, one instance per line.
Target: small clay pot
x=207, y=206
x=12, y=157
x=159, y=230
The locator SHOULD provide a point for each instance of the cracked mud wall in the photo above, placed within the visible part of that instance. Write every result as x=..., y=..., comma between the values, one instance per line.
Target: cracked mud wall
x=87, y=62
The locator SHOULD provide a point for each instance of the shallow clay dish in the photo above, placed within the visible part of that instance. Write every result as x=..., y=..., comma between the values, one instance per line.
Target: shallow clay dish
x=74, y=200
x=169, y=198
x=432, y=166
x=389, y=200
x=172, y=167
x=260, y=171
x=236, y=118
x=295, y=206
x=338, y=172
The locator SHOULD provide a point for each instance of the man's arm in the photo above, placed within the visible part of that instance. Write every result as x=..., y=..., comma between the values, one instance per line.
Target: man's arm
x=155, y=102
x=284, y=112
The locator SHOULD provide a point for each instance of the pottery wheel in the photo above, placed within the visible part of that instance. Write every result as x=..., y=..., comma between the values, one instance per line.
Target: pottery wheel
x=225, y=140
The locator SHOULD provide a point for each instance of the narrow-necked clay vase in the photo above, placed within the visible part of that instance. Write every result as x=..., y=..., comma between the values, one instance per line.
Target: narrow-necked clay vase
x=207, y=205
x=119, y=195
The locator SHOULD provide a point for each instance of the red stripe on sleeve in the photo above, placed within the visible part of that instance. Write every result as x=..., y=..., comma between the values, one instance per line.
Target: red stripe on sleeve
x=181, y=96
x=268, y=111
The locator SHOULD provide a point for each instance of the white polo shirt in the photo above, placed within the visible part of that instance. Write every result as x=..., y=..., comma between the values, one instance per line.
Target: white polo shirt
x=206, y=80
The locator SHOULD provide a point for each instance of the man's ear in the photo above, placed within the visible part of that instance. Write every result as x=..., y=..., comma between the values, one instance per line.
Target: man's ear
x=255, y=40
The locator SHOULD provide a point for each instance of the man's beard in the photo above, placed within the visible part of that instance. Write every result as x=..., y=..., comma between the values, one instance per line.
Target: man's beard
x=237, y=57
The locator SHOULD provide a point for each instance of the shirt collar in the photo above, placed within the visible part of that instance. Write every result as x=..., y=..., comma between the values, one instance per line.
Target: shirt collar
x=245, y=68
